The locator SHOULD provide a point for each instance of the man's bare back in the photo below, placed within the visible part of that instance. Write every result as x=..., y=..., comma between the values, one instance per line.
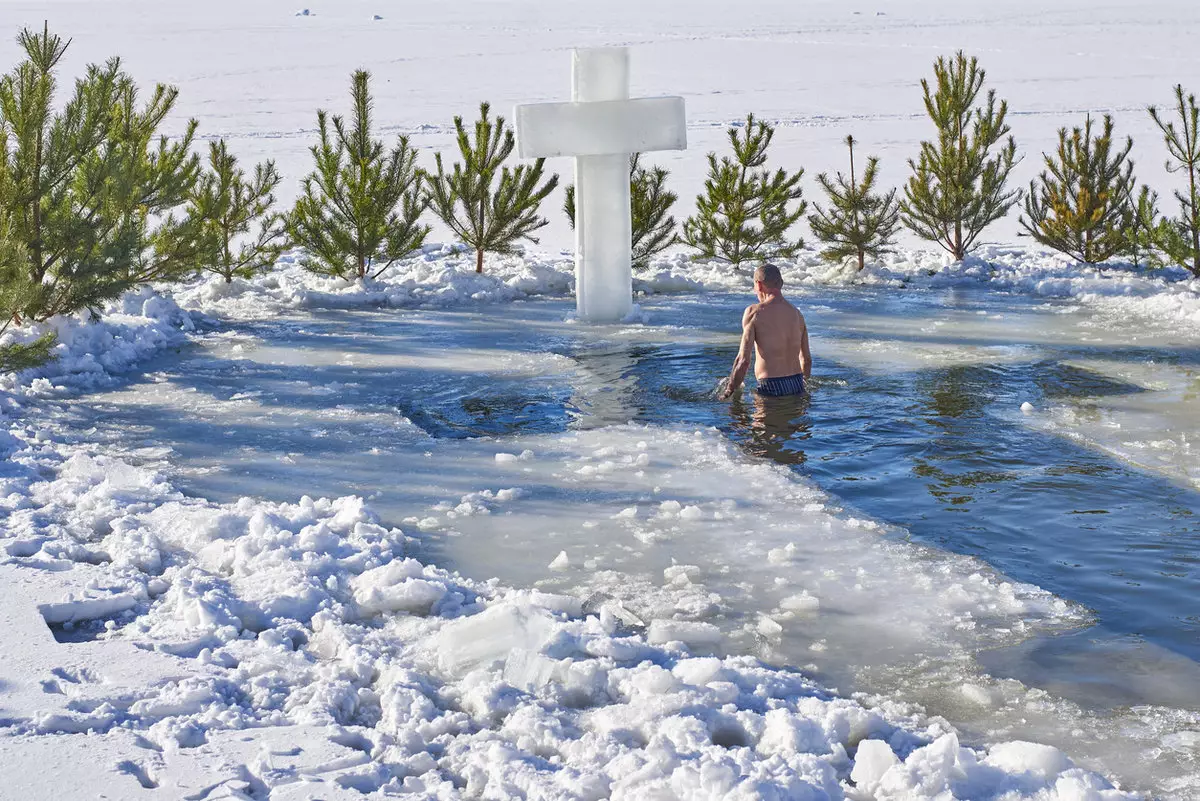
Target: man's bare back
x=775, y=330
x=779, y=336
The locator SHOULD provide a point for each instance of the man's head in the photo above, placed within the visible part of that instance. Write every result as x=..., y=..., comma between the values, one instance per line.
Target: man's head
x=767, y=280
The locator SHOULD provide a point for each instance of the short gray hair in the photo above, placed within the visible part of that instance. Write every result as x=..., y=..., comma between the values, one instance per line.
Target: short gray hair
x=769, y=275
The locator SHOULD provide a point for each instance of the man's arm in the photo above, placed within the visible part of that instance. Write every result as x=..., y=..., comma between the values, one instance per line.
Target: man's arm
x=805, y=354
x=742, y=363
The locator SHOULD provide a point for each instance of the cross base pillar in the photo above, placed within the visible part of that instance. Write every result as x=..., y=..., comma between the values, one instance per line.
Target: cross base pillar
x=603, y=272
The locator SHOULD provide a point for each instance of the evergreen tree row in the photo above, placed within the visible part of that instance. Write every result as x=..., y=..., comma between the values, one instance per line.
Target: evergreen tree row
x=94, y=200
x=1086, y=203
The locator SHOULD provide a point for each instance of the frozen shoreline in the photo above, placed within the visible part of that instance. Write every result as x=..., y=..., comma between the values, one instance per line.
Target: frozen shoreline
x=443, y=276
x=291, y=647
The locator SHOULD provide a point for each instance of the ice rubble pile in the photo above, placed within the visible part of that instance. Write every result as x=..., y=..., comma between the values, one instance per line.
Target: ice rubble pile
x=311, y=615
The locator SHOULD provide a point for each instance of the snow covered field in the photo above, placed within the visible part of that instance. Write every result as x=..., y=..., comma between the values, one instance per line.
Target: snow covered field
x=285, y=647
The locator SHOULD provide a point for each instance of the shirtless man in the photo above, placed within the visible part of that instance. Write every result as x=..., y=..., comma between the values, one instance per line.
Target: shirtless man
x=776, y=330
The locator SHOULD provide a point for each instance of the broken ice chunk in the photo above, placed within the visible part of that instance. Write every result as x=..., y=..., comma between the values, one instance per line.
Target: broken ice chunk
x=778, y=556
x=688, y=633
x=396, y=587
x=805, y=603
x=769, y=627
x=492, y=635
x=680, y=575
x=874, y=758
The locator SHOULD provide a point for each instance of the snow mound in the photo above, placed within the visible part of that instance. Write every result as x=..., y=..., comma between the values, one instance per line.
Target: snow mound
x=91, y=352
x=437, y=277
x=255, y=618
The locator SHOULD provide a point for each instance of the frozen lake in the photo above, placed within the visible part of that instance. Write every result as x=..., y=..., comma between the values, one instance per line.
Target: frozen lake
x=908, y=532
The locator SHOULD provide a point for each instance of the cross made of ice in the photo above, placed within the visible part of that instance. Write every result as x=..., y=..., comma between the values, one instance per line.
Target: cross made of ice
x=601, y=127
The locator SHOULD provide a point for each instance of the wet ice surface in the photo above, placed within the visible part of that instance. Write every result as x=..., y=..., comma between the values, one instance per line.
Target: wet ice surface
x=1151, y=422
x=500, y=437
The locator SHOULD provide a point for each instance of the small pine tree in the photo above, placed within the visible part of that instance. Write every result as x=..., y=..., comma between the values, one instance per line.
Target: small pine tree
x=1082, y=204
x=743, y=214
x=1147, y=230
x=360, y=207
x=489, y=206
x=1179, y=238
x=650, y=204
x=231, y=205
x=957, y=187
x=859, y=222
x=92, y=189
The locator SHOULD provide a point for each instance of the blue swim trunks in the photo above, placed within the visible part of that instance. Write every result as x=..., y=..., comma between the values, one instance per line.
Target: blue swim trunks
x=784, y=385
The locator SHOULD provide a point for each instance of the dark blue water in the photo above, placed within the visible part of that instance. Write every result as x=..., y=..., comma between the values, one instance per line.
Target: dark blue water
x=936, y=451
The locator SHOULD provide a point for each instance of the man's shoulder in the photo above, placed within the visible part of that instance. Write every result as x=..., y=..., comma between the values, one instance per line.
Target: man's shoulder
x=751, y=312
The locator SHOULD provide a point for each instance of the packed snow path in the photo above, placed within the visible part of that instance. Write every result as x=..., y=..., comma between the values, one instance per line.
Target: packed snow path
x=500, y=438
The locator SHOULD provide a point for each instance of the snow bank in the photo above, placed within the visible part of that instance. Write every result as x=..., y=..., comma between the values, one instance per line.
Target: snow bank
x=1122, y=292
x=90, y=352
x=409, y=679
x=439, y=276
x=443, y=276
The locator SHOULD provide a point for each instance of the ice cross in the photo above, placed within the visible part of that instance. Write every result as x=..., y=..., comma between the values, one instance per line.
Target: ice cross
x=601, y=127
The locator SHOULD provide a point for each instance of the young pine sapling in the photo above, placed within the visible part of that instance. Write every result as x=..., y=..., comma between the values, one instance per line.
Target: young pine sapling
x=1082, y=204
x=859, y=222
x=487, y=205
x=1179, y=238
x=232, y=207
x=746, y=211
x=360, y=208
x=653, y=227
x=958, y=183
